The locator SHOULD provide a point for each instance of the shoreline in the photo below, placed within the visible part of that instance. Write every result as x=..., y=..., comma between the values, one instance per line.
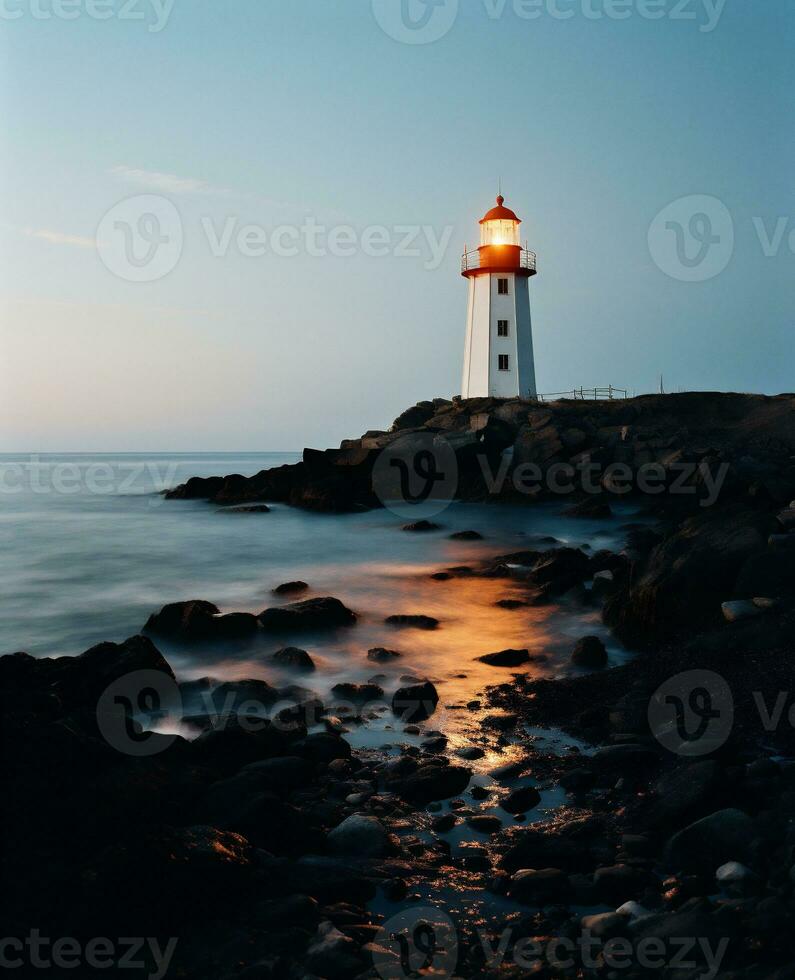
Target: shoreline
x=282, y=851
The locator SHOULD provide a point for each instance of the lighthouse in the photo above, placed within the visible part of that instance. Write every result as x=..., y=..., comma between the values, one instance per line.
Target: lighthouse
x=498, y=353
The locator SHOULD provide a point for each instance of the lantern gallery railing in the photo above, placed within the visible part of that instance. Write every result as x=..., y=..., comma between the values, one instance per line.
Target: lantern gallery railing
x=471, y=260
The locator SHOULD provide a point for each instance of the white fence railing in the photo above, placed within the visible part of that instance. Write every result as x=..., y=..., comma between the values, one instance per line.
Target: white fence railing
x=586, y=394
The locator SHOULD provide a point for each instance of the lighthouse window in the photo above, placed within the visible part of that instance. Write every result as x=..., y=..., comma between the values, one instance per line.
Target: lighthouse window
x=502, y=287
x=504, y=362
x=502, y=328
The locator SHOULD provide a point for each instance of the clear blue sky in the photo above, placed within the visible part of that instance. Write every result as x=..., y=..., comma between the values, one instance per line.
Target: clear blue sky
x=271, y=112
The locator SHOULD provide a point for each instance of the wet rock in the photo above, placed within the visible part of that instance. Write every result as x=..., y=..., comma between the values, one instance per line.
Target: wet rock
x=506, y=658
x=521, y=800
x=310, y=614
x=485, y=823
x=736, y=878
x=294, y=657
x=251, y=695
x=198, y=621
x=332, y=954
x=432, y=782
x=619, y=883
x=589, y=652
x=247, y=509
x=444, y=824
x=323, y=747
x=684, y=793
x=422, y=526
x=415, y=702
x=359, y=835
x=358, y=693
x=413, y=622
x=511, y=604
x=606, y=925
x=466, y=536
x=739, y=609
x=540, y=887
x=708, y=843
x=470, y=752
x=288, y=588
x=381, y=655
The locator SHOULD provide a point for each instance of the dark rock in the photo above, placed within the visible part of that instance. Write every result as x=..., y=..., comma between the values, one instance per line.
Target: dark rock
x=432, y=782
x=185, y=621
x=619, y=883
x=521, y=800
x=415, y=702
x=684, y=793
x=711, y=841
x=771, y=573
x=358, y=693
x=511, y=604
x=466, y=536
x=540, y=887
x=247, y=509
x=310, y=614
x=323, y=748
x=422, y=526
x=589, y=652
x=294, y=657
x=485, y=823
x=287, y=588
x=359, y=835
x=444, y=823
x=382, y=655
x=413, y=622
x=506, y=658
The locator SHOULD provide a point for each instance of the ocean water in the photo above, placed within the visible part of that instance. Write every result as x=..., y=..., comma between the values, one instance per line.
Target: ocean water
x=91, y=548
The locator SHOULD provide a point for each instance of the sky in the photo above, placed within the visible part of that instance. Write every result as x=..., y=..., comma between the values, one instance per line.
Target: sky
x=238, y=225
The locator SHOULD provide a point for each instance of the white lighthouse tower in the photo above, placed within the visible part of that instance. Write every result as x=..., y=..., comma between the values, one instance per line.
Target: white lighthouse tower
x=498, y=355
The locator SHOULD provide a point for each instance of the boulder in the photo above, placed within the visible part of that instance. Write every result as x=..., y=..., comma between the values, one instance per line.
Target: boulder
x=288, y=588
x=589, y=652
x=413, y=622
x=547, y=886
x=771, y=573
x=310, y=614
x=381, y=655
x=739, y=609
x=294, y=657
x=432, y=782
x=359, y=835
x=466, y=536
x=184, y=621
x=506, y=658
x=415, y=702
x=596, y=507
x=422, y=526
x=521, y=800
x=710, y=842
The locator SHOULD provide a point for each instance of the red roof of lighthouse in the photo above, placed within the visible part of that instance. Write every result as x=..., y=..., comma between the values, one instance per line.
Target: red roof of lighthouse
x=500, y=213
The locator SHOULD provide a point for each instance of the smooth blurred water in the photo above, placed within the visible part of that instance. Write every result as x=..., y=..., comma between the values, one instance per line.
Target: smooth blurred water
x=90, y=548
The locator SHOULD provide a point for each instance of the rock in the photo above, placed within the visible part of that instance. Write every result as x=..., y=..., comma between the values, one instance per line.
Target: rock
x=432, y=782
x=294, y=657
x=559, y=570
x=247, y=509
x=589, y=652
x=739, y=609
x=382, y=655
x=422, y=526
x=359, y=835
x=711, y=842
x=288, y=588
x=736, y=878
x=619, y=883
x=310, y=614
x=547, y=886
x=606, y=925
x=604, y=584
x=506, y=658
x=470, y=752
x=415, y=702
x=521, y=800
x=184, y=621
x=511, y=604
x=466, y=536
x=413, y=622
x=684, y=793
x=358, y=693
x=332, y=954
x=444, y=823
x=687, y=576
x=323, y=747
x=485, y=824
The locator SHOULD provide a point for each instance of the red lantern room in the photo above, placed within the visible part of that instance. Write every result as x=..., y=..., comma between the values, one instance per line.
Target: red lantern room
x=500, y=249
